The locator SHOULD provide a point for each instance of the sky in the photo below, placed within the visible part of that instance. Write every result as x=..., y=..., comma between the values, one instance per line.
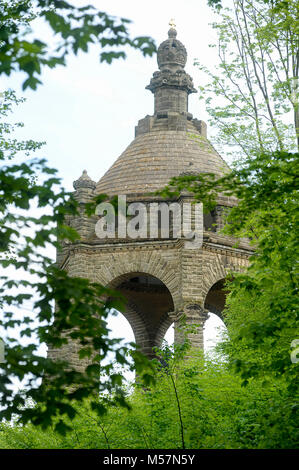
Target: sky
x=86, y=112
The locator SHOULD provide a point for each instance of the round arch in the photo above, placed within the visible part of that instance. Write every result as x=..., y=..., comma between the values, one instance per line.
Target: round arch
x=147, y=304
x=151, y=265
x=216, y=297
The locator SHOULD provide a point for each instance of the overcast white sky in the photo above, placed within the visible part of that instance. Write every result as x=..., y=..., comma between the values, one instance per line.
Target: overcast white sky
x=86, y=112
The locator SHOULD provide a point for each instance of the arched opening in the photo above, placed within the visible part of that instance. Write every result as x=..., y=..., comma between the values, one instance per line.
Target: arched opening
x=215, y=298
x=214, y=327
x=121, y=329
x=147, y=303
x=169, y=335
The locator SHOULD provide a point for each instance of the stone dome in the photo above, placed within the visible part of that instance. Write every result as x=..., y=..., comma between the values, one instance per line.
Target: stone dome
x=168, y=143
x=154, y=157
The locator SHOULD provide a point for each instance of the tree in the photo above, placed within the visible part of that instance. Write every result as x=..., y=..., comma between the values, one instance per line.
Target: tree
x=216, y=412
x=262, y=311
x=256, y=85
x=75, y=29
x=28, y=273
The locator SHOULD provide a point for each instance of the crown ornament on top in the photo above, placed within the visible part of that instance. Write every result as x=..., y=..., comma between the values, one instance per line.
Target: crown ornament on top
x=172, y=53
x=172, y=32
x=172, y=23
x=172, y=58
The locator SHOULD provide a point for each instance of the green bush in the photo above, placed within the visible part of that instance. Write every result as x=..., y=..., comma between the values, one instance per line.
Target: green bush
x=195, y=404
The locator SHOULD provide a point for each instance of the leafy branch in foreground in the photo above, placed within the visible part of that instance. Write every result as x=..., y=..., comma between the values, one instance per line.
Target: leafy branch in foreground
x=262, y=312
x=252, y=98
x=216, y=412
x=32, y=211
x=75, y=29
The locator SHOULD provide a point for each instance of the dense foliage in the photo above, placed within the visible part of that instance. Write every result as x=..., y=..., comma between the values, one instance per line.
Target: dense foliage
x=33, y=206
x=215, y=412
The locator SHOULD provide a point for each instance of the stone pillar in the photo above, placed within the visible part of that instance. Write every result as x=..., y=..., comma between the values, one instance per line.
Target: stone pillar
x=219, y=219
x=170, y=99
x=189, y=323
x=70, y=353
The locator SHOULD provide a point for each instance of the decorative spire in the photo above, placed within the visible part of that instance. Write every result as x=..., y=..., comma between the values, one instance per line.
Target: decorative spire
x=172, y=32
x=84, y=182
x=171, y=85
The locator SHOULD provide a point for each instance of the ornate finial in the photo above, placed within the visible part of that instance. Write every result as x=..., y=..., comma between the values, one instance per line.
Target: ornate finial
x=171, y=53
x=172, y=23
x=172, y=32
x=84, y=182
x=171, y=57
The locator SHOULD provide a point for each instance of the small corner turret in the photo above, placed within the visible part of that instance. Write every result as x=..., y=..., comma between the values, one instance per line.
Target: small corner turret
x=84, y=188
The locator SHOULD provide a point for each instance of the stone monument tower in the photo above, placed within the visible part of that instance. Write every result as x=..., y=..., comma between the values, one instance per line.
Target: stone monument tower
x=161, y=278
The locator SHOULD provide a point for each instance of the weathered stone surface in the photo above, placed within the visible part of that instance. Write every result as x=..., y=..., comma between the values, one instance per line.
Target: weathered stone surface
x=159, y=154
x=172, y=53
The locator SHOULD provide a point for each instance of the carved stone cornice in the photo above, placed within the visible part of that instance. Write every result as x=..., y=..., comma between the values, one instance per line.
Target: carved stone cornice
x=194, y=311
x=227, y=250
x=190, y=312
x=178, y=79
x=147, y=245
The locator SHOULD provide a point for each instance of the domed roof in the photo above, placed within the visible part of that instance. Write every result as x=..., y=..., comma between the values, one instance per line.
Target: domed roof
x=154, y=157
x=170, y=142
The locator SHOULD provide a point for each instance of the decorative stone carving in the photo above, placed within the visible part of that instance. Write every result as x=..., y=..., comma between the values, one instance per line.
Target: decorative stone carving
x=194, y=172
x=171, y=52
x=196, y=311
x=189, y=322
x=171, y=85
x=178, y=79
x=84, y=182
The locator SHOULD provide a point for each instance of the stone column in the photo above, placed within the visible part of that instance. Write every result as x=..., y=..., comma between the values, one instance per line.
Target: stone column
x=219, y=219
x=189, y=323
